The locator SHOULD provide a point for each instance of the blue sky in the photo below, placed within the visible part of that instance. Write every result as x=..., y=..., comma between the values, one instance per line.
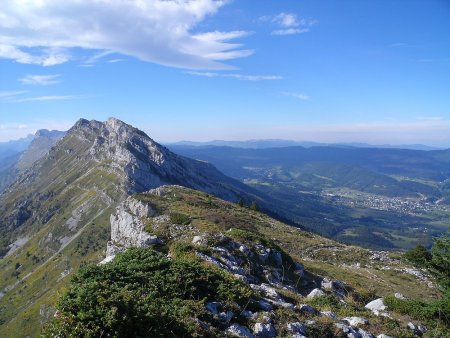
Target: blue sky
x=333, y=71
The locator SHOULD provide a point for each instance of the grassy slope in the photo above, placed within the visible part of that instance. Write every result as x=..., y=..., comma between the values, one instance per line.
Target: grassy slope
x=26, y=306
x=34, y=274
x=321, y=255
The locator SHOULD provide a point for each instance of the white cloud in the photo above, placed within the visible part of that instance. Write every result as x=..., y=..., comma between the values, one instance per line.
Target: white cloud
x=290, y=31
x=286, y=20
x=299, y=96
x=115, y=60
x=241, y=77
x=160, y=31
x=42, y=80
x=11, y=94
x=47, y=56
x=46, y=98
x=289, y=23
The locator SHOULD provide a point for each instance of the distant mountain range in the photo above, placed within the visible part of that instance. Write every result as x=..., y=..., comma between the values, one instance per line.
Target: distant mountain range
x=381, y=198
x=14, y=147
x=278, y=143
x=17, y=156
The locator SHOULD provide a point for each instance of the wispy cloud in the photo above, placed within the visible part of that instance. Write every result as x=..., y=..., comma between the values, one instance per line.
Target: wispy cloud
x=240, y=77
x=47, y=98
x=158, y=31
x=11, y=94
x=115, y=60
x=96, y=57
x=289, y=23
x=299, y=96
x=42, y=80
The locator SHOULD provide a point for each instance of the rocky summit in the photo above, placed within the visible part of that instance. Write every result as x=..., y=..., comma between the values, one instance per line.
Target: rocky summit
x=143, y=164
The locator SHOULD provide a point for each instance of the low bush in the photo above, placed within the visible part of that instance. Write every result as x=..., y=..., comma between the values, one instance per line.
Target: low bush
x=143, y=294
x=438, y=310
x=178, y=218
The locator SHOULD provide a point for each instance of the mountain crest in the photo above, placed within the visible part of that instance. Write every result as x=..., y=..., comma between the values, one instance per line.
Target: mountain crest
x=139, y=162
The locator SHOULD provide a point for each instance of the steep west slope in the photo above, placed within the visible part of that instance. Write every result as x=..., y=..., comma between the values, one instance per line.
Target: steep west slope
x=56, y=215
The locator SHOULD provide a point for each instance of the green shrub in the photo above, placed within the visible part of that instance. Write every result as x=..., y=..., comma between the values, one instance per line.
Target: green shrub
x=143, y=294
x=240, y=234
x=325, y=302
x=180, y=249
x=254, y=206
x=440, y=261
x=419, y=256
x=324, y=328
x=438, y=310
x=148, y=226
x=178, y=218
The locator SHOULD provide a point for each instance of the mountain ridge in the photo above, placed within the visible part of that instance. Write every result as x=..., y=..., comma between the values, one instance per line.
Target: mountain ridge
x=55, y=216
x=281, y=143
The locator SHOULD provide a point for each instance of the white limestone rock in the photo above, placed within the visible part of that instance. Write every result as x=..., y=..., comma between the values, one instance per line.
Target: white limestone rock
x=199, y=240
x=315, y=293
x=281, y=303
x=262, y=330
x=266, y=290
x=377, y=306
x=127, y=228
x=399, y=296
x=356, y=321
x=335, y=286
x=236, y=330
x=329, y=314
x=297, y=328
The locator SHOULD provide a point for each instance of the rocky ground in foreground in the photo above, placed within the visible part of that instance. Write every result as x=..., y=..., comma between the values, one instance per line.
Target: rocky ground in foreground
x=278, y=281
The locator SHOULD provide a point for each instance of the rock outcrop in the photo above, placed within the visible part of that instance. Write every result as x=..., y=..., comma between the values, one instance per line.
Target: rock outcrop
x=127, y=228
x=143, y=164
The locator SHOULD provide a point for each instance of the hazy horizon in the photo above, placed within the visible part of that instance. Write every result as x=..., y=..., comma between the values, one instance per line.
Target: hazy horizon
x=243, y=140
